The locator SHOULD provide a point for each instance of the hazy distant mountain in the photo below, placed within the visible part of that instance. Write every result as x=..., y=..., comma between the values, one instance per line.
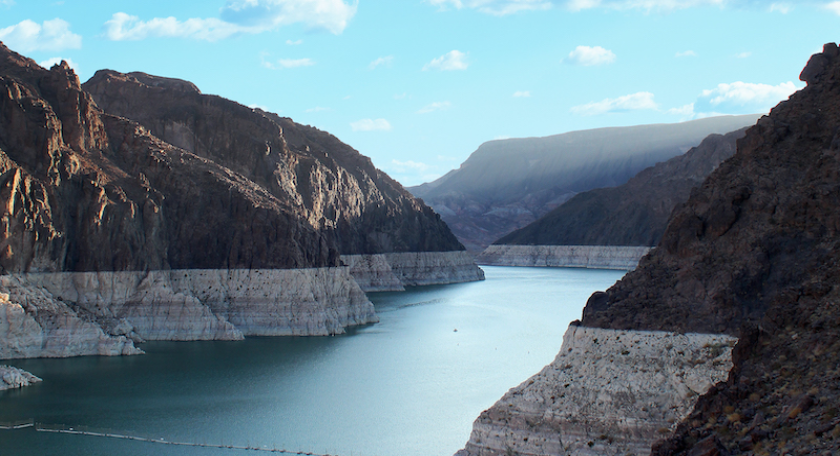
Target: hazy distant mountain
x=508, y=184
x=635, y=213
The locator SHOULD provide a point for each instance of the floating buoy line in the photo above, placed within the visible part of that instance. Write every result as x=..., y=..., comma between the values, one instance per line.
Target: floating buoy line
x=62, y=429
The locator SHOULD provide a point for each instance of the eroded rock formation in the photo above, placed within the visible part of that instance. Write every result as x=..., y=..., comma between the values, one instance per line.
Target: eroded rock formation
x=12, y=377
x=753, y=253
x=608, y=393
x=567, y=256
x=110, y=235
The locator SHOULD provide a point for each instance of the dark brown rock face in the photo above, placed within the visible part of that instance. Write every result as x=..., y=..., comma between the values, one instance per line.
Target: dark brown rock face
x=333, y=187
x=754, y=253
x=635, y=213
x=85, y=190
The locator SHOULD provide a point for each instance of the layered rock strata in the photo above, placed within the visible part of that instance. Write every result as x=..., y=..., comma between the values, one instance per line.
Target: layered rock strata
x=608, y=392
x=569, y=256
x=754, y=253
x=395, y=271
x=12, y=377
x=110, y=235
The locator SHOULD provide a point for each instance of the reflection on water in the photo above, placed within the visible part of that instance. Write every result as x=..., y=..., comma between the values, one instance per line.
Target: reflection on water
x=409, y=385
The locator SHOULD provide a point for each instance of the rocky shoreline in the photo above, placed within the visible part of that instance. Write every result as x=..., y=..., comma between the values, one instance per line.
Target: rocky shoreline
x=569, y=256
x=12, y=378
x=395, y=271
x=608, y=392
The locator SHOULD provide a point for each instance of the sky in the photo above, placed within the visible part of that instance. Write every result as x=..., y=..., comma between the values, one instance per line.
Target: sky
x=418, y=85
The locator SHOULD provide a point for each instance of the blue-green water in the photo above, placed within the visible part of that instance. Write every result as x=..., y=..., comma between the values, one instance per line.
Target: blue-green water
x=409, y=385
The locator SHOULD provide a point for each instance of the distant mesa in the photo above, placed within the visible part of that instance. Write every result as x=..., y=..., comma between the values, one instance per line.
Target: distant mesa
x=612, y=225
x=507, y=184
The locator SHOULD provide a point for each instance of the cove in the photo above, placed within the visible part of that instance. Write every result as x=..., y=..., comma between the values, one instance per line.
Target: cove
x=409, y=385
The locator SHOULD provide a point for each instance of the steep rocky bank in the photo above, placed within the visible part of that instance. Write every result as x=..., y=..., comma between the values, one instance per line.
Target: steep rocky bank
x=608, y=392
x=634, y=213
x=507, y=184
x=568, y=256
x=753, y=254
x=111, y=235
x=395, y=271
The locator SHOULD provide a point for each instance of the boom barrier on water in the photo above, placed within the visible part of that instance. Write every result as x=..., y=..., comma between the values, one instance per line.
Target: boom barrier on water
x=63, y=429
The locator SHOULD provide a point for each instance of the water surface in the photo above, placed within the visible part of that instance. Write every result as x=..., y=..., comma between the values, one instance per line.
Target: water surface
x=409, y=385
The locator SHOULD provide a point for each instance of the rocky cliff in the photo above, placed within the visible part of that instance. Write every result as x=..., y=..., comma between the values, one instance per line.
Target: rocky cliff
x=566, y=256
x=753, y=253
x=635, y=213
x=508, y=184
x=329, y=184
x=111, y=235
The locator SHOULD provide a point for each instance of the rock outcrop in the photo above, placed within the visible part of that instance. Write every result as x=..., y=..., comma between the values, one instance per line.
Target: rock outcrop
x=635, y=213
x=508, y=184
x=753, y=253
x=12, y=377
x=328, y=183
x=110, y=235
x=395, y=271
x=608, y=393
x=567, y=256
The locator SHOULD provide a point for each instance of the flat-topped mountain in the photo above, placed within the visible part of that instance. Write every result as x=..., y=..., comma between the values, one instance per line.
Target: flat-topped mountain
x=508, y=184
x=632, y=214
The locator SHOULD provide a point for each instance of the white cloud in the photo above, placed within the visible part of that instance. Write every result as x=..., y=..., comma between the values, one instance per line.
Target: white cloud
x=589, y=56
x=743, y=55
x=381, y=61
x=29, y=36
x=329, y=15
x=783, y=8
x=56, y=60
x=748, y=94
x=834, y=7
x=258, y=106
x=7, y=3
x=371, y=125
x=436, y=106
x=295, y=63
x=318, y=109
x=452, y=60
x=647, y=5
x=688, y=53
x=122, y=27
x=521, y=94
x=495, y=7
x=294, y=43
x=683, y=111
x=633, y=102
x=238, y=16
x=403, y=166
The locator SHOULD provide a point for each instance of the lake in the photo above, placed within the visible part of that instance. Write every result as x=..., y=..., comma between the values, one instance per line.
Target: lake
x=409, y=385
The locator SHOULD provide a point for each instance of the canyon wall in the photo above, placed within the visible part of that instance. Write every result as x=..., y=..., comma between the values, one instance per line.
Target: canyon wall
x=569, y=256
x=608, y=393
x=231, y=225
x=752, y=254
x=395, y=271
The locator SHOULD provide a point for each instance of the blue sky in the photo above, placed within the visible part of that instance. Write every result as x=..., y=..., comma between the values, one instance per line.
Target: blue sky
x=418, y=85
